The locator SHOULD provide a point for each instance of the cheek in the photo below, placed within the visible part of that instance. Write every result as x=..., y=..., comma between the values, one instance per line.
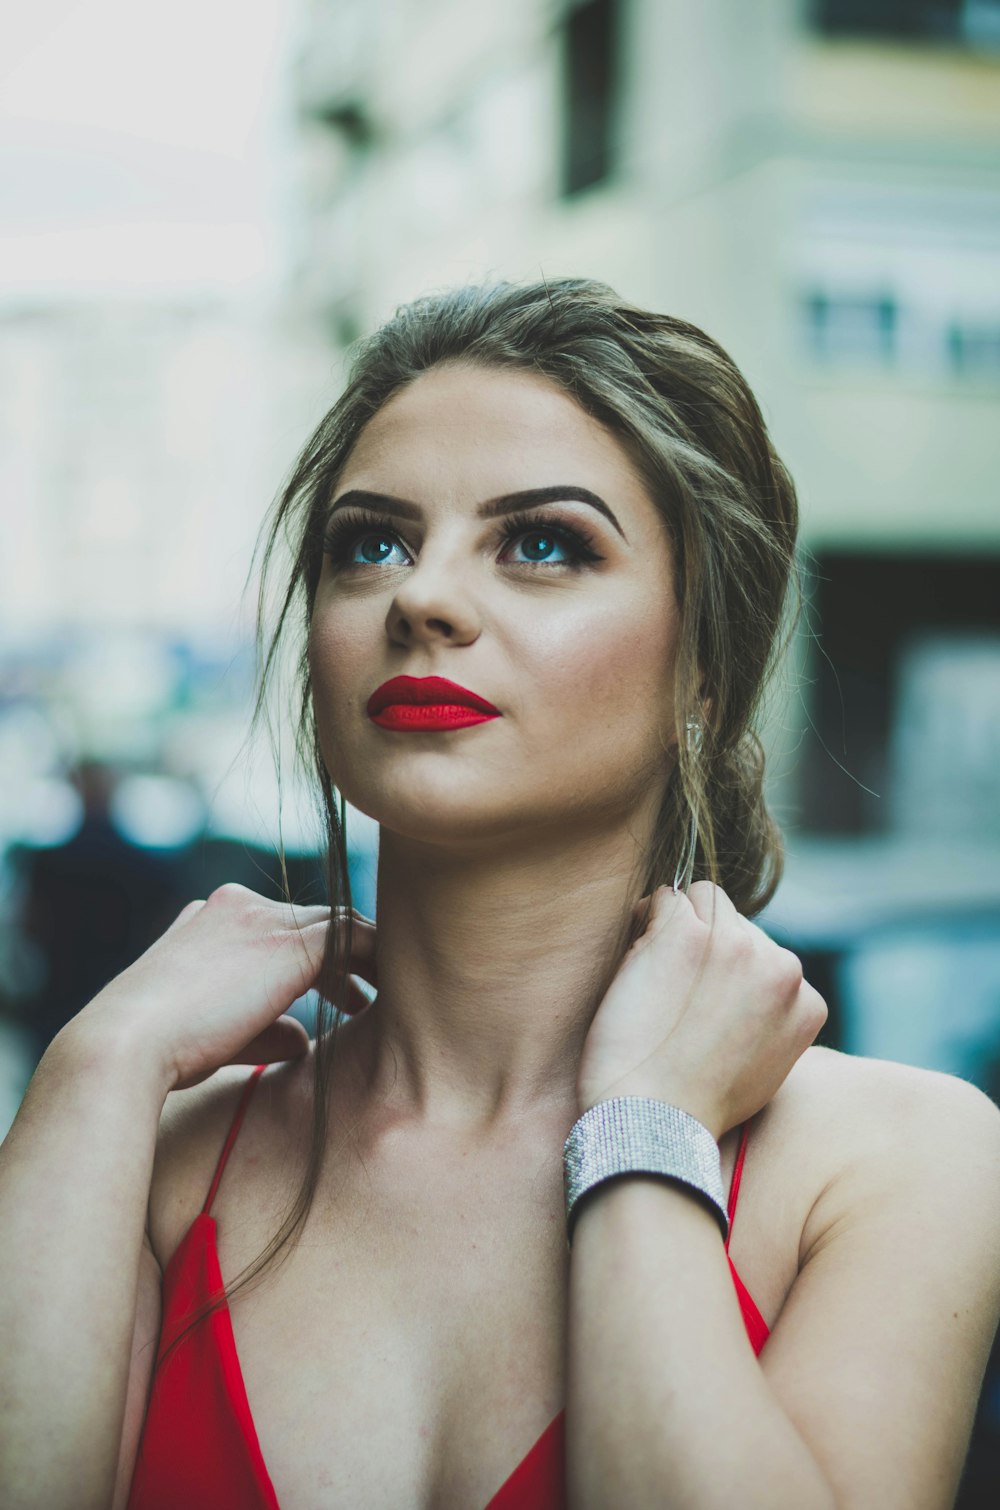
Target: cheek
x=339, y=659
x=339, y=647
x=606, y=683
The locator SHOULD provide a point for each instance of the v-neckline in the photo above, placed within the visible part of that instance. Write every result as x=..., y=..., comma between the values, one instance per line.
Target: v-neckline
x=235, y=1372
x=543, y=1461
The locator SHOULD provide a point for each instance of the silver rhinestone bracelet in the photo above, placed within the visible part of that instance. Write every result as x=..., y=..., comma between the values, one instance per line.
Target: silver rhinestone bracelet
x=637, y=1135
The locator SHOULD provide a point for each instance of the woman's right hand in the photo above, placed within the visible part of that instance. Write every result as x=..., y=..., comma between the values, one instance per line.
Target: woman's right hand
x=214, y=988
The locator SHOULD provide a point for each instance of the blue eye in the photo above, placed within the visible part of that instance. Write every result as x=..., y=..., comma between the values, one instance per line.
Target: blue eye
x=373, y=550
x=350, y=541
x=542, y=545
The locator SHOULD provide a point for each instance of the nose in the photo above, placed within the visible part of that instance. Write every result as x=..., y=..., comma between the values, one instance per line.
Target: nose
x=432, y=607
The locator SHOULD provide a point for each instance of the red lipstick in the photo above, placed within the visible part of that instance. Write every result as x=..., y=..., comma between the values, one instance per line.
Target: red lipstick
x=423, y=703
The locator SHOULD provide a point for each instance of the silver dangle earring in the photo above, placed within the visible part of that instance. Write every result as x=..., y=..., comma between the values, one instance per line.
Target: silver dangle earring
x=685, y=866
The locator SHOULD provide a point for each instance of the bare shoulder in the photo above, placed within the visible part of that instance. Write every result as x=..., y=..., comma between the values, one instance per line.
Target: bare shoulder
x=850, y=1144
x=885, y=1108
x=877, y=1130
x=193, y=1128
x=893, y=1175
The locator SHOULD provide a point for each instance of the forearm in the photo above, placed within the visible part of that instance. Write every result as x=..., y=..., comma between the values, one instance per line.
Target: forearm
x=666, y=1404
x=75, y=1171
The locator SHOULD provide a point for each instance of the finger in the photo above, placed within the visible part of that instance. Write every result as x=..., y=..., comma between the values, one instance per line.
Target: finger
x=656, y=912
x=639, y=918
x=357, y=999
x=711, y=903
x=330, y=978
x=362, y=957
x=351, y=1002
x=366, y=968
x=285, y=1038
x=303, y=915
x=363, y=936
x=676, y=904
x=359, y=917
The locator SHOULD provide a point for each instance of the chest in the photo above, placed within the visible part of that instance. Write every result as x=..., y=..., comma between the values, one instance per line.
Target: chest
x=409, y=1346
x=410, y=1351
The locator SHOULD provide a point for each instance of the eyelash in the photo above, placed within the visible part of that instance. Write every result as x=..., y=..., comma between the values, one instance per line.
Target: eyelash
x=347, y=528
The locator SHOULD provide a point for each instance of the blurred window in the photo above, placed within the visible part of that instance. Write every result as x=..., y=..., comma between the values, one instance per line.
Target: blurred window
x=944, y=748
x=349, y=119
x=974, y=350
x=973, y=22
x=899, y=279
x=590, y=63
x=885, y=752
x=899, y=999
x=851, y=327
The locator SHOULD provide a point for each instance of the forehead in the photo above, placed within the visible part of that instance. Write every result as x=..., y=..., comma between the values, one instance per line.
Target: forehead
x=472, y=433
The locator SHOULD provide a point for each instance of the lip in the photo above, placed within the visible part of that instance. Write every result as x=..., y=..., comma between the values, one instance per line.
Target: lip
x=427, y=702
x=425, y=690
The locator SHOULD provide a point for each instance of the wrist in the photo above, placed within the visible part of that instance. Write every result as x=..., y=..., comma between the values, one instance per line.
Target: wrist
x=656, y=1089
x=638, y=1135
x=101, y=1040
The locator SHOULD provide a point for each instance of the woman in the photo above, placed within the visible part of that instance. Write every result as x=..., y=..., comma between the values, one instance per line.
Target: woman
x=541, y=550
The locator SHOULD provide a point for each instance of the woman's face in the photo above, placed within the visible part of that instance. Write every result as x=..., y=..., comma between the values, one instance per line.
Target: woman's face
x=565, y=620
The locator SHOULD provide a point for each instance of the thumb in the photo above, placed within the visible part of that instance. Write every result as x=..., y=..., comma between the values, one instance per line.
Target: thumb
x=285, y=1038
x=639, y=919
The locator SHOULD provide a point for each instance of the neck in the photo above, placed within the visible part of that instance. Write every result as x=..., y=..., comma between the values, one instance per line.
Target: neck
x=491, y=967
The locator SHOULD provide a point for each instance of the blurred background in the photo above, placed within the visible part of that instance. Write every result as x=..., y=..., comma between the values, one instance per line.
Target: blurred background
x=201, y=206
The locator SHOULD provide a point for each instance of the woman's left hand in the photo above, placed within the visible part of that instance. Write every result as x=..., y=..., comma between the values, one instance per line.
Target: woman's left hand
x=705, y=1012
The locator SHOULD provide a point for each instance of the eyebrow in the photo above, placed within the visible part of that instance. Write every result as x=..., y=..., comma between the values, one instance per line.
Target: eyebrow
x=493, y=508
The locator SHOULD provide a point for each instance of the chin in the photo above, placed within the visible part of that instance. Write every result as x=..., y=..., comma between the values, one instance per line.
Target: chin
x=440, y=813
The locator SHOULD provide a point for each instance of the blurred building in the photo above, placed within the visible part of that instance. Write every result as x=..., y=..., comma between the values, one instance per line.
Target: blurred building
x=816, y=182
x=818, y=185
x=141, y=441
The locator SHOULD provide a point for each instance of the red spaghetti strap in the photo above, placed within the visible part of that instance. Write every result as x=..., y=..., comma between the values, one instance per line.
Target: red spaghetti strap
x=234, y=1129
x=734, y=1188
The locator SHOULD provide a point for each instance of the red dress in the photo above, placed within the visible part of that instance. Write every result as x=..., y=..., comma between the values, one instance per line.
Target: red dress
x=199, y=1445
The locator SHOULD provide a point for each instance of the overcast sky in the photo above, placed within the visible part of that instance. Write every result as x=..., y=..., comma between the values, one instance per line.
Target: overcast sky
x=141, y=145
